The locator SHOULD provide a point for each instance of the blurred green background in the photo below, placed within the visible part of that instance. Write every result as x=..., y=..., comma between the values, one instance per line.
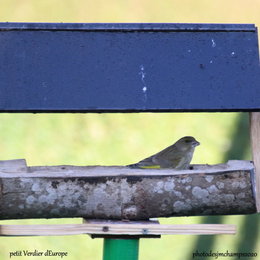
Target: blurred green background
x=118, y=139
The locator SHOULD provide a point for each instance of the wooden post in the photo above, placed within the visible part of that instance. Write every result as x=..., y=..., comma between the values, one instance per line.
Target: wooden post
x=255, y=146
x=120, y=248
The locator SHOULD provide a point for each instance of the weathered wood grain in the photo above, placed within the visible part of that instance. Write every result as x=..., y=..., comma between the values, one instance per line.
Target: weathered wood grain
x=115, y=229
x=255, y=146
x=121, y=193
x=12, y=166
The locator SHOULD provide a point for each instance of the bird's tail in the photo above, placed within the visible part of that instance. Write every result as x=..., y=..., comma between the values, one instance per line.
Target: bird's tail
x=133, y=166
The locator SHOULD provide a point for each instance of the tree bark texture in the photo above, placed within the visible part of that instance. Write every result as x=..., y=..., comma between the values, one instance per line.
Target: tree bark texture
x=115, y=192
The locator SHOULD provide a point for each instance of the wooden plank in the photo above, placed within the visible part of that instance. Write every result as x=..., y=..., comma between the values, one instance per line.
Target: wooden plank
x=105, y=222
x=116, y=229
x=255, y=146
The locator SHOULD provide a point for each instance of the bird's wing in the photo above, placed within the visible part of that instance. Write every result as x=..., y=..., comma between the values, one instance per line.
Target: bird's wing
x=146, y=163
x=173, y=161
x=166, y=151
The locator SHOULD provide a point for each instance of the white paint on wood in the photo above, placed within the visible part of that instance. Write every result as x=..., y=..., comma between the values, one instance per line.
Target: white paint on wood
x=13, y=166
x=67, y=171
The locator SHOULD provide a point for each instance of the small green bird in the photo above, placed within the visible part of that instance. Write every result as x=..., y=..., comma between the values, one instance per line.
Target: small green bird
x=177, y=156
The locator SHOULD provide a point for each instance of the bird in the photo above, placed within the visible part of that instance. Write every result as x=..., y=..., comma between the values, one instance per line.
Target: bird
x=177, y=156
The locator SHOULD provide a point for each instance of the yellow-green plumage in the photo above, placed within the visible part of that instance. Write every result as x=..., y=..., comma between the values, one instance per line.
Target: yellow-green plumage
x=150, y=167
x=177, y=156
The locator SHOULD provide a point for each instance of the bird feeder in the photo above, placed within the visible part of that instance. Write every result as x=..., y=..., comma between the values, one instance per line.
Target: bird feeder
x=128, y=68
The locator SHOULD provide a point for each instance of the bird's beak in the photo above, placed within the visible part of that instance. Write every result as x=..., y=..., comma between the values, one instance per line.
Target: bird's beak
x=196, y=143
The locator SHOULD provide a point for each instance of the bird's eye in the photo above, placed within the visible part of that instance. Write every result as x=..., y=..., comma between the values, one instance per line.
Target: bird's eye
x=187, y=141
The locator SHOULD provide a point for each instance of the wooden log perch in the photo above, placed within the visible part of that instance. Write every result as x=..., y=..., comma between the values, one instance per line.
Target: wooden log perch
x=255, y=146
x=114, y=192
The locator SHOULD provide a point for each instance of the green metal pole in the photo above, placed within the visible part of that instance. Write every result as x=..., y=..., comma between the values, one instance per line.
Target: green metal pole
x=120, y=249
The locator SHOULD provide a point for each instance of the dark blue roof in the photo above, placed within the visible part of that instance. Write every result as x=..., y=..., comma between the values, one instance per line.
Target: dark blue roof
x=62, y=67
x=127, y=26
